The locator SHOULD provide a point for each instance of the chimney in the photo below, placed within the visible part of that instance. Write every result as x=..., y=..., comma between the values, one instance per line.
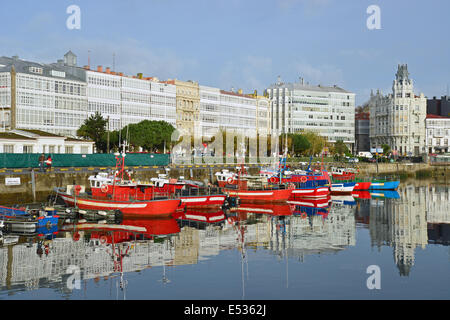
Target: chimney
x=139, y=75
x=121, y=74
x=100, y=69
x=87, y=68
x=108, y=70
x=240, y=91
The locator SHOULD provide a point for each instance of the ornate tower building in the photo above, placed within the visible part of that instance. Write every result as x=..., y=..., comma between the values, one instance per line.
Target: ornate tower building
x=398, y=119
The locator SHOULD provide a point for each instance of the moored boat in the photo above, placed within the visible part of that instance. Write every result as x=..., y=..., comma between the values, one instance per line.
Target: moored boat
x=257, y=189
x=342, y=187
x=154, y=207
x=384, y=185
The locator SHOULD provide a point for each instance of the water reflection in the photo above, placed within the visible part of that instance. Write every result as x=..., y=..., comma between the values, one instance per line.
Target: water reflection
x=405, y=220
x=413, y=217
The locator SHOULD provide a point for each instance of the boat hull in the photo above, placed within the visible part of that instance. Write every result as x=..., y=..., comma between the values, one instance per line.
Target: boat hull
x=362, y=186
x=318, y=192
x=203, y=201
x=260, y=195
x=342, y=188
x=153, y=208
x=384, y=185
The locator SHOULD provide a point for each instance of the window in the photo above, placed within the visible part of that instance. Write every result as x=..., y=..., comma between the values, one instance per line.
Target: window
x=69, y=149
x=84, y=149
x=27, y=149
x=8, y=148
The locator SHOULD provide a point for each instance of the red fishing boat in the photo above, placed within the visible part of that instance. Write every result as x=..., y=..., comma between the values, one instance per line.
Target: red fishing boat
x=114, y=192
x=257, y=189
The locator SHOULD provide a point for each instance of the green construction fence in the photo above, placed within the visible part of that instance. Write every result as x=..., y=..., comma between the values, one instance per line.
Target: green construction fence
x=31, y=160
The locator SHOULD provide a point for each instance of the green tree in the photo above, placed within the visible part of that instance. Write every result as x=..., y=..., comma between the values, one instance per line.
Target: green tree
x=94, y=128
x=298, y=143
x=150, y=135
x=386, y=149
x=340, y=148
x=317, y=143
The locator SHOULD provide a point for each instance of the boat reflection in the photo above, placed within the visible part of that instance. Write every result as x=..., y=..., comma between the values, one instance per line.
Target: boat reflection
x=387, y=194
x=416, y=217
x=361, y=194
x=346, y=200
x=273, y=209
x=309, y=207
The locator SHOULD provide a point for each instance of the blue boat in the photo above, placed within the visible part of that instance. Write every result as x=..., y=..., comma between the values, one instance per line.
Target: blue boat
x=384, y=185
x=28, y=220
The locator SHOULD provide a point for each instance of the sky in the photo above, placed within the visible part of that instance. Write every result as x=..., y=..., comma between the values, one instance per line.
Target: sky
x=242, y=44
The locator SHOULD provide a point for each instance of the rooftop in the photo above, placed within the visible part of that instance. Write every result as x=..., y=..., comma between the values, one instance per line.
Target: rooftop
x=308, y=87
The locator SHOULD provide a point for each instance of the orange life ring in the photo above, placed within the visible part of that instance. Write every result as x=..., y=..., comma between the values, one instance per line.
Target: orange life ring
x=230, y=180
x=104, y=188
x=273, y=179
x=303, y=179
x=304, y=215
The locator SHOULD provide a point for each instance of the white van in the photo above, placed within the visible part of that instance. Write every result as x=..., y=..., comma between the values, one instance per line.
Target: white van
x=365, y=154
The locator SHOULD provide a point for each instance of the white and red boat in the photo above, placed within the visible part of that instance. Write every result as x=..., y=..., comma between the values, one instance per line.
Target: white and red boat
x=120, y=186
x=130, y=207
x=256, y=189
x=114, y=192
x=341, y=175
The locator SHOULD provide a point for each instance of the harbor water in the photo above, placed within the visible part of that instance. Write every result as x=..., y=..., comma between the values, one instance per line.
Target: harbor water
x=377, y=245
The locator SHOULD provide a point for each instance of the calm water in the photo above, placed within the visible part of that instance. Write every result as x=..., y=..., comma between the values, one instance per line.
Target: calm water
x=256, y=252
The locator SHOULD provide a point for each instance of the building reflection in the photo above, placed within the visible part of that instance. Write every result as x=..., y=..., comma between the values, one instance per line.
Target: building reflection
x=416, y=217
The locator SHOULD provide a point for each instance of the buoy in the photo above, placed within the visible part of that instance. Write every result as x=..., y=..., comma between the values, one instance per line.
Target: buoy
x=230, y=180
x=303, y=179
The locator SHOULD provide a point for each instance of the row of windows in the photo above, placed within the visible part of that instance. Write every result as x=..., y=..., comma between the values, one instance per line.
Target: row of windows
x=103, y=81
x=5, y=80
x=5, y=99
x=103, y=107
x=50, y=85
x=102, y=93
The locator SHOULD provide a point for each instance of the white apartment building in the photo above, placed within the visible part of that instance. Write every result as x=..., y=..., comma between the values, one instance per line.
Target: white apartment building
x=437, y=133
x=228, y=110
x=300, y=107
x=41, y=97
x=127, y=100
x=398, y=119
x=58, y=97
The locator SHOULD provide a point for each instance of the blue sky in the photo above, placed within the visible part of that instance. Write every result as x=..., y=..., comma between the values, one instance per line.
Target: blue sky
x=242, y=43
